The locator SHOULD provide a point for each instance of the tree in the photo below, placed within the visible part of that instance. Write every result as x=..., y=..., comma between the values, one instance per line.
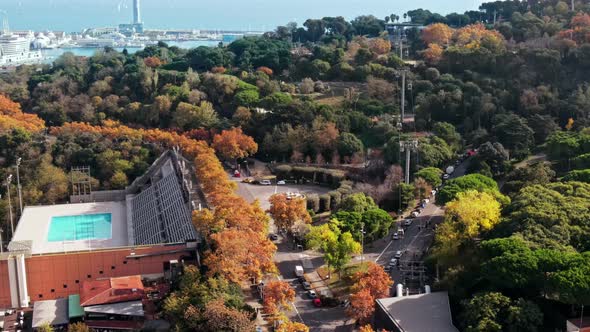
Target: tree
x=307, y=86
x=349, y=144
x=287, y=211
x=433, y=54
x=46, y=327
x=219, y=317
x=233, y=144
x=380, y=89
x=247, y=98
x=362, y=306
x=358, y=202
x=495, y=312
x=278, y=295
x=466, y=218
x=431, y=175
x=337, y=247
x=464, y=183
x=438, y=33
x=375, y=280
x=188, y=116
x=422, y=188
x=290, y=326
x=79, y=327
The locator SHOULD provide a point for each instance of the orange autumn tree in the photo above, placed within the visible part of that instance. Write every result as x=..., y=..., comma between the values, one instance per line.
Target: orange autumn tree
x=153, y=62
x=375, y=280
x=380, y=46
x=433, y=54
x=290, y=326
x=233, y=144
x=238, y=255
x=277, y=296
x=370, y=285
x=366, y=328
x=438, y=33
x=12, y=117
x=362, y=306
x=475, y=36
x=287, y=211
x=579, y=31
x=265, y=70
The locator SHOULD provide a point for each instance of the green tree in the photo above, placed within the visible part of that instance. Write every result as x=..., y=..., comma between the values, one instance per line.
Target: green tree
x=461, y=184
x=337, y=247
x=349, y=144
x=247, y=98
x=358, y=202
x=432, y=175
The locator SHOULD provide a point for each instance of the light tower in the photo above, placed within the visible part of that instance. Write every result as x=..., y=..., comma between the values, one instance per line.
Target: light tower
x=408, y=147
x=136, y=12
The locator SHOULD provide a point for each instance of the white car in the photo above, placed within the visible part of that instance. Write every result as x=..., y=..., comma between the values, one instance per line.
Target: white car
x=426, y=201
x=312, y=294
x=281, y=183
x=398, y=254
x=407, y=222
x=395, y=236
x=446, y=177
x=265, y=182
x=393, y=262
x=415, y=214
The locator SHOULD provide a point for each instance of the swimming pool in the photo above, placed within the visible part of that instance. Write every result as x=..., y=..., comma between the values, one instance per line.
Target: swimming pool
x=80, y=227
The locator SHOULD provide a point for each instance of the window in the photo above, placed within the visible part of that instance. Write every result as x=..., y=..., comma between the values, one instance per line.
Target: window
x=89, y=276
x=53, y=290
x=65, y=286
x=112, y=267
x=40, y=296
x=77, y=281
x=100, y=272
x=124, y=262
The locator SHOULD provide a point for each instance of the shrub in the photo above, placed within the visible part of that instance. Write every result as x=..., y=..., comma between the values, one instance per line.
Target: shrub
x=313, y=202
x=325, y=203
x=335, y=197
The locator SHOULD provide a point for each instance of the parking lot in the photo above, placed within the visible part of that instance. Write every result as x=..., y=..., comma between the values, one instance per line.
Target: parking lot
x=252, y=192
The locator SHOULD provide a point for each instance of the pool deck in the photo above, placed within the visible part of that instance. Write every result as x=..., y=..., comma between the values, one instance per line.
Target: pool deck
x=35, y=222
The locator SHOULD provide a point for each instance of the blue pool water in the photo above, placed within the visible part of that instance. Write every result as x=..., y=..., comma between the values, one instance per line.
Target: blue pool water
x=80, y=227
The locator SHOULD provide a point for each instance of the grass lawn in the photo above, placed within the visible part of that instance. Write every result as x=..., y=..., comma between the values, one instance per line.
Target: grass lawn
x=340, y=283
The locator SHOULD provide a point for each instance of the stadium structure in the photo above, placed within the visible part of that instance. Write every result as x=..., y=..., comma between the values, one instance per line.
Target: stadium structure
x=141, y=230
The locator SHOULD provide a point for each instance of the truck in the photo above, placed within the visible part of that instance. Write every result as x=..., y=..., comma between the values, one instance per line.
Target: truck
x=299, y=271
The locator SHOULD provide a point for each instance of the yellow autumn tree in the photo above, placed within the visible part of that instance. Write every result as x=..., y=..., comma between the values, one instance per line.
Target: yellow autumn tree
x=466, y=218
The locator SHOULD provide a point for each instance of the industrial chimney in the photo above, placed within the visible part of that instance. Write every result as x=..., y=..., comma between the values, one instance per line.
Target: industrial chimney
x=136, y=12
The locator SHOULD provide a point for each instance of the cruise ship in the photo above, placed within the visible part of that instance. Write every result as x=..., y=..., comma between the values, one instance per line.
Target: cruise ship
x=16, y=50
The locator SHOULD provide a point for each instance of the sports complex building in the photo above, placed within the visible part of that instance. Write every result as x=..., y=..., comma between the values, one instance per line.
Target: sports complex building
x=141, y=230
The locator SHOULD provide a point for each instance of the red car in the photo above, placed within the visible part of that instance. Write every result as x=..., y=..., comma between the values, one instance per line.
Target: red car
x=237, y=174
x=317, y=302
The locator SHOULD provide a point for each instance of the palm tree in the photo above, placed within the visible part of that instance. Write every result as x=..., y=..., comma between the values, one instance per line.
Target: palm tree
x=387, y=19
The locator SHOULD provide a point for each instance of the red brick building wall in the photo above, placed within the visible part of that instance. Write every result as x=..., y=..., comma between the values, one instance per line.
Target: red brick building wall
x=60, y=275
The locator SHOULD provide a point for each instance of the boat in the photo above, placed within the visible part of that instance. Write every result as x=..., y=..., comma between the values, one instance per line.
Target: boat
x=16, y=50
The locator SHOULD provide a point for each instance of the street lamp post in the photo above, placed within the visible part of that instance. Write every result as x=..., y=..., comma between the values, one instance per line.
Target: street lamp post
x=8, y=181
x=362, y=242
x=18, y=187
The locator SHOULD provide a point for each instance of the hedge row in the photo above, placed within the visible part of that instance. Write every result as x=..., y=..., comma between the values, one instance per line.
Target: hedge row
x=331, y=177
x=330, y=201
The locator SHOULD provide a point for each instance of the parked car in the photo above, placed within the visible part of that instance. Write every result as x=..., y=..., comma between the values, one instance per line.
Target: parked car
x=306, y=285
x=301, y=279
x=407, y=222
x=398, y=254
x=265, y=182
x=395, y=236
x=425, y=201
x=387, y=268
x=280, y=183
x=415, y=214
x=446, y=177
x=317, y=303
x=344, y=303
x=312, y=294
x=273, y=237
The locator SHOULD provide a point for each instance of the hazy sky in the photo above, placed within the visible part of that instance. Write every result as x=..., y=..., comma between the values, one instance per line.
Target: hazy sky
x=73, y=15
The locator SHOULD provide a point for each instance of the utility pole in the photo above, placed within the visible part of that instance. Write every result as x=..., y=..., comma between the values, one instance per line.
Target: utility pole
x=362, y=242
x=8, y=181
x=573, y=5
x=18, y=187
x=1, y=242
x=403, y=98
x=401, y=47
x=408, y=147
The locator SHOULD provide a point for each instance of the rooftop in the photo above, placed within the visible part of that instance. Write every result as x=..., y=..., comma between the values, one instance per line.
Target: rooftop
x=113, y=290
x=33, y=229
x=420, y=313
x=52, y=312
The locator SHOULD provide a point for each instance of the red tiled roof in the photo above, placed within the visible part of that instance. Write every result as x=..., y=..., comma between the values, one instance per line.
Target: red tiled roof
x=115, y=325
x=113, y=290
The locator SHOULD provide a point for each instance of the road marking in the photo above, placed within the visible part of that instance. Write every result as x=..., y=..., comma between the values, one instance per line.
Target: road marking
x=293, y=305
x=384, y=250
x=423, y=229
